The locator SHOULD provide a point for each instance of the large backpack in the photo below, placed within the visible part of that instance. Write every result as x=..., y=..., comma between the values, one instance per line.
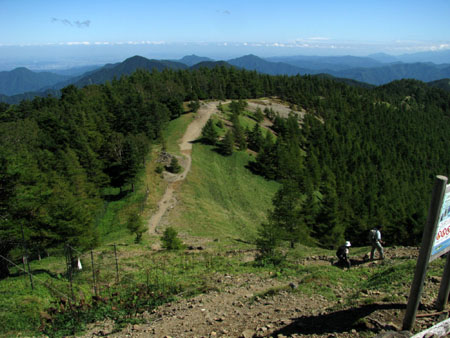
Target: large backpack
x=373, y=235
x=340, y=251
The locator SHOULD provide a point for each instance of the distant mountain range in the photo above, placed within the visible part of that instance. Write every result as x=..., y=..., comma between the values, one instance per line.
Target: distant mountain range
x=127, y=67
x=378, y=69
x=191, y=60
x=21, y=80
x=331, y=63
x=362, y=69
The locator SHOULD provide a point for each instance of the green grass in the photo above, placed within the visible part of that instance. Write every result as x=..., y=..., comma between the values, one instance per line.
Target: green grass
x=20, y=306
x=175, y=132
x=221, y=198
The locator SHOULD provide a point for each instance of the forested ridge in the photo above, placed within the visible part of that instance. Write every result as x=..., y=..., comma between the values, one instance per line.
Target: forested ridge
x=361, y=156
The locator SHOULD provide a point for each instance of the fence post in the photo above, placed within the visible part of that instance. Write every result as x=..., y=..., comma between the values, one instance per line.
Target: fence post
x=25, y=257
x=69, y=253
x=117, y=264
x=164, y=276
x=444, y=288
x=93, y=273
x=29, y=273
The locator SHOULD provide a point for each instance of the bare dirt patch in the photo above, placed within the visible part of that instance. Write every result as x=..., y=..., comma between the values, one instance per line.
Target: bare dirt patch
x=278, y=107
x=250, y=305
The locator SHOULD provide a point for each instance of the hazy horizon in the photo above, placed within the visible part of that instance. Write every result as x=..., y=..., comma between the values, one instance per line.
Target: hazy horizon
x=47, y=58
x=51, y=34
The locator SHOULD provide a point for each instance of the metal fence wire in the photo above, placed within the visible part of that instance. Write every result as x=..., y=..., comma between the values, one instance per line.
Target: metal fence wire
x=103, y=269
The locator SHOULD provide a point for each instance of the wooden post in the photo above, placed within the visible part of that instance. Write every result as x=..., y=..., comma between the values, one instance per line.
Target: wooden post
x=93, y=273
x=444, y=288
x=429, y=233
x=69, y=248
x=117, y=264
x=25, y=257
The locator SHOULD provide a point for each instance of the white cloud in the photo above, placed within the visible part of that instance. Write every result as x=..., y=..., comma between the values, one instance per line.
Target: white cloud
x=77, y=23
x=318, y=38
x=76, y=43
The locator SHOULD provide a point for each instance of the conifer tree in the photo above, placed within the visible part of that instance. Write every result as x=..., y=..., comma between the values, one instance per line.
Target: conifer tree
x=209, y=133
x=174, y=167
x=288, y=215
x=259, y=116
x=136, y=226
x=226, y=146
x=255, y=138
x=194, y=105
x=238, y=133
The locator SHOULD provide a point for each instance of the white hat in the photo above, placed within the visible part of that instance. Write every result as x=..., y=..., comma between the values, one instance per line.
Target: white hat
x=348, y=243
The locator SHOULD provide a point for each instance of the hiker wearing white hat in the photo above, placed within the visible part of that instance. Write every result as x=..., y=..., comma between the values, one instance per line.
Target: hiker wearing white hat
x=342, y=253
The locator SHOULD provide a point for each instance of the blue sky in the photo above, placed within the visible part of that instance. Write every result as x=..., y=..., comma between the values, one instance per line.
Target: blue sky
x=338, y=26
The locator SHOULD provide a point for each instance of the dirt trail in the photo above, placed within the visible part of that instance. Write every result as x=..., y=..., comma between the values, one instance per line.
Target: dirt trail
x=249, y=305
x=192, y=133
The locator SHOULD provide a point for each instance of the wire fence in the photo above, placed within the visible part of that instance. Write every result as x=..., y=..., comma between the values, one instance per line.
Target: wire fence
x=71, y=271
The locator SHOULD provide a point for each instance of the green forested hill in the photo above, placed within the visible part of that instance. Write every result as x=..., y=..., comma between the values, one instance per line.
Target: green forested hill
x=361, y=157
x=443, y=84
x=21, y=80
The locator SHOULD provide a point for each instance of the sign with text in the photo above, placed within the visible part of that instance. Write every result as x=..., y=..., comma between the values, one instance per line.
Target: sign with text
x=441, y=243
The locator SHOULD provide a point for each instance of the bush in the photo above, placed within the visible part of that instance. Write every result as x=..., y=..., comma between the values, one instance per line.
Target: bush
x=170, y=240
x=174, y=166
x=136, y=226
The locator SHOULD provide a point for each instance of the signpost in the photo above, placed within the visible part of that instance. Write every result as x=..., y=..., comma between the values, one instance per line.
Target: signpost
x=428, y=243
x=442, y=246
x=441, y=243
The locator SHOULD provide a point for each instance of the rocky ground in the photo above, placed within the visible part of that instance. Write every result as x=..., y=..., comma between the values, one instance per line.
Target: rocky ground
x=261, y=306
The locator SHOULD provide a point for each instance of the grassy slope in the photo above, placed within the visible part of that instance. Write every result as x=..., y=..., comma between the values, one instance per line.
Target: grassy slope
x=221, y=198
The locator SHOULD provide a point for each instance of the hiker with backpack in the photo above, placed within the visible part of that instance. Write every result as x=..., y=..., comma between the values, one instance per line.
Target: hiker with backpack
x=376, y=242
x=342, y=253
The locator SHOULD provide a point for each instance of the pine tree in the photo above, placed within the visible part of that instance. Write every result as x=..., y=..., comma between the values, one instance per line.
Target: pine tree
x=238, y=133
x=136, y=226
x=259, y=116
x=174, y=167
x=209, y=133
x=268, y=243
x=170, y=239
x=194, y=106
x=255, y=138
x=226, y=146
x=288, y=215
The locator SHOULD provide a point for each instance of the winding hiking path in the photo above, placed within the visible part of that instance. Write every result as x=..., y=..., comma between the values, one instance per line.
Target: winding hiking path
x=192, y=133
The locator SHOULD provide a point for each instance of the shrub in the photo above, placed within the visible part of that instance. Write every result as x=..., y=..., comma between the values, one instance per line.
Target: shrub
x=136, y=226
x=174, y=166
x=170, y=240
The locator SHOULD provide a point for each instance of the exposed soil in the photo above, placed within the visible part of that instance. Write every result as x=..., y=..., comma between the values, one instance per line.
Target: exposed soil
x=278, y=107
x=261, y=306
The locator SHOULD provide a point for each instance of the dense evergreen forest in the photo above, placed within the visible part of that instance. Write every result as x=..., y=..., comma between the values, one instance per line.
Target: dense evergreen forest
x=360, y=157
